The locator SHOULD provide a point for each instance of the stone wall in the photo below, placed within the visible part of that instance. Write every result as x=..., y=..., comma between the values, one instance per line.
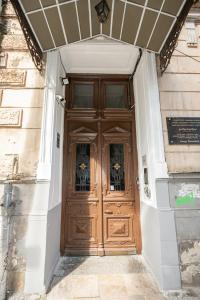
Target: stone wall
x=187, y=218
x=179, y=97
x=21, y=100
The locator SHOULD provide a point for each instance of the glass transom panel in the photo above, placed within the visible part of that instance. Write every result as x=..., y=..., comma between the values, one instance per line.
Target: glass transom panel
x=116, y=96
x=83, y=96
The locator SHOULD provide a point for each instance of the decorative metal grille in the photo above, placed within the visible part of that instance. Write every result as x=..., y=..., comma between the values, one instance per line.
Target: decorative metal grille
x=82, y=167
x=117, y=182
x=31, y=41
x=170, y=44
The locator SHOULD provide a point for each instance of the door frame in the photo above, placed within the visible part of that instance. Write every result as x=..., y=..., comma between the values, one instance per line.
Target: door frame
x=138, y=238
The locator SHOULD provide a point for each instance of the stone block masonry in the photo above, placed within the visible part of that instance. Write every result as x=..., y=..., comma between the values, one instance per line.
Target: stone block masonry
x=10, y=117
x=12, y=78
x=179, y=97
x=21, y=101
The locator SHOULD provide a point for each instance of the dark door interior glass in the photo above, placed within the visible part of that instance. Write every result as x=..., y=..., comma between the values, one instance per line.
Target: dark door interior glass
x=116, y=96
x=83, y=95
x=117, y=181
x=82, y=182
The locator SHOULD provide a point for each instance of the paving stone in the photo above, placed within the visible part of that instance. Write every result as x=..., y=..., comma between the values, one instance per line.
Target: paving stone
x=75, y=287
x=87, y=298
x=109, y=278
x=136, y=297
x=100, y=265
x=112, y=287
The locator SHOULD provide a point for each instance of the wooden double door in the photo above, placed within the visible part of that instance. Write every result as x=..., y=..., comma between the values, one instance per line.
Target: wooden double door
x=100, y=192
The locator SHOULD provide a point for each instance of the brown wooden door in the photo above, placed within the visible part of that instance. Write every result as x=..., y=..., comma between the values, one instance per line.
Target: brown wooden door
x=100, y=214
x=117, y=188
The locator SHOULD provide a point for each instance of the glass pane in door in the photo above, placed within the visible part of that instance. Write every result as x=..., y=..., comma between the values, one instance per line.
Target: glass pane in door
x=82, y=182
x=117, y=180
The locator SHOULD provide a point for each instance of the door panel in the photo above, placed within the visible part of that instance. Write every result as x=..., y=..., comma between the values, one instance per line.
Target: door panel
x=118, y=197
x=100, y=198
x=82, y=224
x=118, y=224
x=82, y=199
x=100, y=210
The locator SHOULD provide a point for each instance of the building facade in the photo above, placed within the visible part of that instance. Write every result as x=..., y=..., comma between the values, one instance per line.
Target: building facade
x=49, y=205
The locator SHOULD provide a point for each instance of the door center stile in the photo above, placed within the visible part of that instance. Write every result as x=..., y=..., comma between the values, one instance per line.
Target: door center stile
x=100, y=192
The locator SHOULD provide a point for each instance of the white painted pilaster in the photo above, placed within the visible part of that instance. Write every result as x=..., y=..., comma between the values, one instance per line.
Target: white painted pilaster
x=43, y=230
x=157, y=218
x=149, y=124
x=47, y=134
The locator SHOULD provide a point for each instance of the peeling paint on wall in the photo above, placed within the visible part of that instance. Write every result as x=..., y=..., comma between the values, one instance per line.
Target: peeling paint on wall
x=190, y=263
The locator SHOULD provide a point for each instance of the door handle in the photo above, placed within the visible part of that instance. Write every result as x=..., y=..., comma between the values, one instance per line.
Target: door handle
x=109, y=212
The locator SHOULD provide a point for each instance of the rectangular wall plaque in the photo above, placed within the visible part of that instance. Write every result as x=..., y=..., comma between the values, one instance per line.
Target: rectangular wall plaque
x=183, y=131
x=10, y=117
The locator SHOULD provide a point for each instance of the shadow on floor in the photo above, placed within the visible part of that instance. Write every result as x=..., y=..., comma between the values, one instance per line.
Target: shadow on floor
x=103, y=278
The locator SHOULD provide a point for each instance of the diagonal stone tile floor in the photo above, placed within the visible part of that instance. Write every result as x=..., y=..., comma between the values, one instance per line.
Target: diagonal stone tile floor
x=103, y=278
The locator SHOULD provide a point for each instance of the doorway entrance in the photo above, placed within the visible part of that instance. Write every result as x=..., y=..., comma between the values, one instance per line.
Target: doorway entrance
x=100, y=198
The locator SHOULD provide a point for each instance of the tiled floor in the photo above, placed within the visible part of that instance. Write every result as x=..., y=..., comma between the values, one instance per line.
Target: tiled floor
x=103, y=278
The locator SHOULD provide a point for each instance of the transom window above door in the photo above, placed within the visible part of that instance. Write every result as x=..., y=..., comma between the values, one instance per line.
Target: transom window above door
x=116, y=96
x=83, y=95
x=99, y=94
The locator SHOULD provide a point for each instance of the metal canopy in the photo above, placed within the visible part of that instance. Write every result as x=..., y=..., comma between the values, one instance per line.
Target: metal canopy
x=143, y=23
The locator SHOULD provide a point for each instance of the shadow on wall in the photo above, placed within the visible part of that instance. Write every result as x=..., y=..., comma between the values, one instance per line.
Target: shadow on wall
x=14, y=228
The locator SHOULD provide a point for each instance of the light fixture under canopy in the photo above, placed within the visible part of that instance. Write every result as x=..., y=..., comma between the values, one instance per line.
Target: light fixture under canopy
x=102, y=10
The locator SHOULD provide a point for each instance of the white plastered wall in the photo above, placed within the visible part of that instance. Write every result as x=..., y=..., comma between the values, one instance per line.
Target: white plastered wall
x=43, y=232
x=159, y=241
x=149, y=125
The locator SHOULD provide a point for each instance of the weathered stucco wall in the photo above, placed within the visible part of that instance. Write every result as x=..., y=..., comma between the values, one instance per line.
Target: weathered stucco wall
x=21, y=100
x=187, y=218
x=179, y=97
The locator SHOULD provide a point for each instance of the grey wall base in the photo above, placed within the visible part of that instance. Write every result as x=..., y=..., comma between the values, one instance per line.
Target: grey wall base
x=31, y=237
x=160, y=246
x=171, y=233
x=187, y=219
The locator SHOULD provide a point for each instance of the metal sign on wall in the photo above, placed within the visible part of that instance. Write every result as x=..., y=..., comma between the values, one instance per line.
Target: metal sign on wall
x=183, y=131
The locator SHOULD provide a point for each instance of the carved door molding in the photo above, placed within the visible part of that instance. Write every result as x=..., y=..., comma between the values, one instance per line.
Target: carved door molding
x=81, y=206
x=100, y=220
x=118, y=202
x=100, y=213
